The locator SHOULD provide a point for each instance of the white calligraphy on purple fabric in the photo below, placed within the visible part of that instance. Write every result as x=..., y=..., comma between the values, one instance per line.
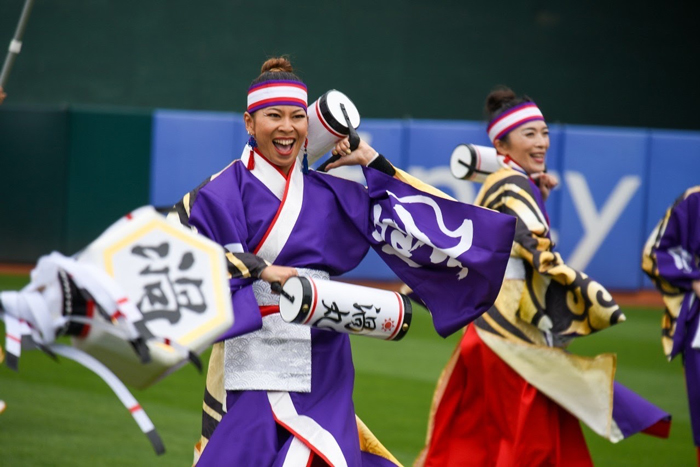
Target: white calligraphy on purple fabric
x=681, y=259
x=406, y=242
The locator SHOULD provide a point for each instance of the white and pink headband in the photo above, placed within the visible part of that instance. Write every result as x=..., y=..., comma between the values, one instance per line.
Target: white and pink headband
x=513, y=118
x=276, y=92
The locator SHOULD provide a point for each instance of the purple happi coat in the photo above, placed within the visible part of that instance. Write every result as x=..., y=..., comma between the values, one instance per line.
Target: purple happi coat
x=671, y=257
x=453, y=255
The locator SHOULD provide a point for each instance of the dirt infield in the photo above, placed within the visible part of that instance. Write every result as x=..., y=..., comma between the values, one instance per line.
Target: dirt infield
x=649, y=298
x=15, y=268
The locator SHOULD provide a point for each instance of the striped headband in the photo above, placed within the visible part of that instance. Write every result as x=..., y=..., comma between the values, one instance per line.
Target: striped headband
x=513, y=118
x=276, y=92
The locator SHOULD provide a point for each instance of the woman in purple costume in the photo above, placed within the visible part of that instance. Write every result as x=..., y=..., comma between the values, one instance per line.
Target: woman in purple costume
x=672, y=260
x=281, y=394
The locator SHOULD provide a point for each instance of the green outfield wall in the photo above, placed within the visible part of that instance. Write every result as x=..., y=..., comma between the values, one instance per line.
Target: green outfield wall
x=598, y=63
x=109, y=170
x=66, y=174
x=34, y=152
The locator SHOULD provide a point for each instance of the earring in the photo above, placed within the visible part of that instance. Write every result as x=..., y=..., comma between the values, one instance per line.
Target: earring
x=251, y=159
x=305, y=161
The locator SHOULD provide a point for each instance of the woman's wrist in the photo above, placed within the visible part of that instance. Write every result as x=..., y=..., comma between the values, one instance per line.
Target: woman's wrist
x=371, y=159
x=382, y=164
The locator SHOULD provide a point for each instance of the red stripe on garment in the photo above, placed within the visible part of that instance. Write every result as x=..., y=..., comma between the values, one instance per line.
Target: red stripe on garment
x=123, y=300
x=267, y=310
x=14, y=338
x=277, y=215
x=302, y=439
x=286, y=176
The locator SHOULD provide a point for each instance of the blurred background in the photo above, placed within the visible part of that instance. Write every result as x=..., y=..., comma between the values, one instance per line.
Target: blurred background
x=597, y=62
x=113, y=104
x=116, y=104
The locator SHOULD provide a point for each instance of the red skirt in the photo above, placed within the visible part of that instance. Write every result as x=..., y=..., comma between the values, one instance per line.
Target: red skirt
x=490, y=416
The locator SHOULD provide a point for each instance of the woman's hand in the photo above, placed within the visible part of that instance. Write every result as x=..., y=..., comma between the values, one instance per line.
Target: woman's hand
x=696, y=287
x=279, y=274
x=363, y=155
x=2, y=95
x=546, y=182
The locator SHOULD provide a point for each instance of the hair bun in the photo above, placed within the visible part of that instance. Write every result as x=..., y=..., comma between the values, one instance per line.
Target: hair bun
x=276, y=65
x=498, y=99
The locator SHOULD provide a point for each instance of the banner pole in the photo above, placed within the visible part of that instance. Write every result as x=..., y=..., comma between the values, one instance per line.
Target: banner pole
x=16, y=43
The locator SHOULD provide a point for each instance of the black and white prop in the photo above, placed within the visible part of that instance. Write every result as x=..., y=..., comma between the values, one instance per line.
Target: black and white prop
x=16, y=42
x=474, y=163
x=332, y=117
x=178, y=281
x=346, y=308
x=140, y=301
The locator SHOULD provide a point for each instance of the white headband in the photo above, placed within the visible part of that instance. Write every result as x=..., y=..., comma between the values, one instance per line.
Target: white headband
x=513, y=118
x=276, y=92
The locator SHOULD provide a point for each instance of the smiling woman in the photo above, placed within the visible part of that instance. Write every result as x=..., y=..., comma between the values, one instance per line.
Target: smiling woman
x=281, y=393
x=510, y=394
x=276, y=118
x=518, y=131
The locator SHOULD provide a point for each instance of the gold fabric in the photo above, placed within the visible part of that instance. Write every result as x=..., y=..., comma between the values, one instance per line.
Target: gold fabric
x=552, y=291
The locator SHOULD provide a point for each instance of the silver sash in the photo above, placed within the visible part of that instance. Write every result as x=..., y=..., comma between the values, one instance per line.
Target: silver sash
x=276, y=357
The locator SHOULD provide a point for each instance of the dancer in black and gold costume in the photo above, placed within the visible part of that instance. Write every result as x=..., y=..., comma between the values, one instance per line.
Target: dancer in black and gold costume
x=510, y=394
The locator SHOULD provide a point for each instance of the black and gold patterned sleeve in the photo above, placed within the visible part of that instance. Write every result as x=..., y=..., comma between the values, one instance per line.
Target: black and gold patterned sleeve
x=245, y=265
x=575, y=304
x=510, y=192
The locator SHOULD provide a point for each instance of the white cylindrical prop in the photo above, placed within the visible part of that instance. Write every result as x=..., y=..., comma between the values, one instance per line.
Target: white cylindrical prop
x=346, y=308
x=474, y=163
x=327, y=123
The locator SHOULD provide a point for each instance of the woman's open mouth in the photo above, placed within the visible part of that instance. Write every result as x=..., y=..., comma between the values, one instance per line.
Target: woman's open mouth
x=539, y=158
x=284, y=146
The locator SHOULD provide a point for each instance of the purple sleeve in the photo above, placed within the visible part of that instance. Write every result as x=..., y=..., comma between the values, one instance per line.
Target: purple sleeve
x=453, y=255
x=223, y=224
x=678, y=248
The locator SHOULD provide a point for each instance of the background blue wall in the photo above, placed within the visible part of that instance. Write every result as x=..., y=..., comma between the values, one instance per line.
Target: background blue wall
x=616, y=182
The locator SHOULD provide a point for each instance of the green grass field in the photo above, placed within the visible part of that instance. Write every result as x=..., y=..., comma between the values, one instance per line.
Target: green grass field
x=62, y=414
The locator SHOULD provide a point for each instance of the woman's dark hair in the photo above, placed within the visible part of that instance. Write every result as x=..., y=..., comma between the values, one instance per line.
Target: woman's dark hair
x=276, y=68
x=501, y=99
